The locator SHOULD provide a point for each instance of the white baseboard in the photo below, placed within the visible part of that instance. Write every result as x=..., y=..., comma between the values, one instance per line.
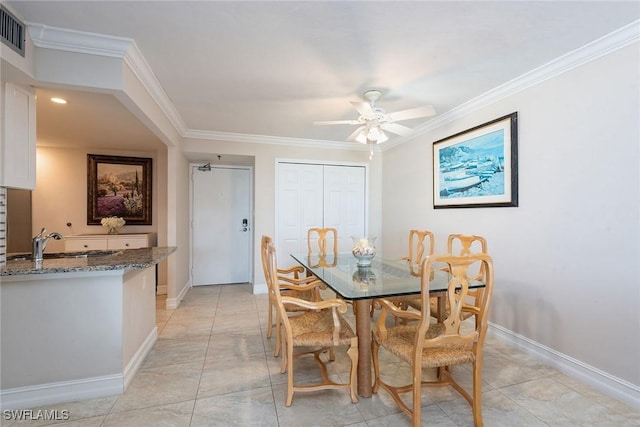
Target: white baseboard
x=137, y=359
x=162, y=290
x=173, y=303
x=260, y=288
x=61, y=392
x=600, y=380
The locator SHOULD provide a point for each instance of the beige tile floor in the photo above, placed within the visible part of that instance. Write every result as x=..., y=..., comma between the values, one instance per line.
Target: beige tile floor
x=213, y=366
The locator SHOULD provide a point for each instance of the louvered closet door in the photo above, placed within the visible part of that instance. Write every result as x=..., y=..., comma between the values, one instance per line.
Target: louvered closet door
x=312, y=195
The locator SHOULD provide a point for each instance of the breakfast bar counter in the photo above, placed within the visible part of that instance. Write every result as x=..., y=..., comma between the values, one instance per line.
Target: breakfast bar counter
x=75, y=326
x=87, y=261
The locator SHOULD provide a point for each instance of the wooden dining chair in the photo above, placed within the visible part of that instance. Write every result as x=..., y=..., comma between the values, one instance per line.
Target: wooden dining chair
x=459, y=245
x=317, y=330
x=285, y=278
x=323, y=242
x=421, y=244
x=465, y=245
x=424, y=344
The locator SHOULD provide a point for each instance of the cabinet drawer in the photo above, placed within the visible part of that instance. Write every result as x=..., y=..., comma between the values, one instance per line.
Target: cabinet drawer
x=85, y=245
x=127, y=243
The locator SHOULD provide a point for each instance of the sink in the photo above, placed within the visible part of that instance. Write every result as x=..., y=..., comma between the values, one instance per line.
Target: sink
x=57, y=255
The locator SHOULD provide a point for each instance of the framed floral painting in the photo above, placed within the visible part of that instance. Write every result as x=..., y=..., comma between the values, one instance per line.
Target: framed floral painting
x=119, y=186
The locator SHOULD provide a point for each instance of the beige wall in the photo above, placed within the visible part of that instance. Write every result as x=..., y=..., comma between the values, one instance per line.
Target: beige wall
x=60, y=196
x=265, y=157
x=567, y=259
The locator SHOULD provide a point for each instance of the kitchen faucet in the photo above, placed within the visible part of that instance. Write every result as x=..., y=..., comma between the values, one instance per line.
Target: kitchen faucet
x=40, y=243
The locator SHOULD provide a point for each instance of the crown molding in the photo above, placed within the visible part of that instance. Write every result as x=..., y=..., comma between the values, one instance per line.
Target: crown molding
x=68, y=40
x=120, y=47
x=275, y=140
x=64, y=39
x=598, y=48
x=141, y=69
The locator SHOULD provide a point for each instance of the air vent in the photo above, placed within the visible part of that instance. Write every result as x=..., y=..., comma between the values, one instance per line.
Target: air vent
x=12, y=31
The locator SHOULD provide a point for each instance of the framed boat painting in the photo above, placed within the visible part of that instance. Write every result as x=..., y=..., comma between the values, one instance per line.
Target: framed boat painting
x=119, y=186
x=478, y=167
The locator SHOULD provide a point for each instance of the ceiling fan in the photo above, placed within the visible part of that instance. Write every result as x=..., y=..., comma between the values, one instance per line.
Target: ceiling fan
x=374, y=121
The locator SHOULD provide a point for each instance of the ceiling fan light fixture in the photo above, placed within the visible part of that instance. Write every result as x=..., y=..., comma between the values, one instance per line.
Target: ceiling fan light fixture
x=374, y=121
x=362, y=137
x=376, y=135
x=382, y=138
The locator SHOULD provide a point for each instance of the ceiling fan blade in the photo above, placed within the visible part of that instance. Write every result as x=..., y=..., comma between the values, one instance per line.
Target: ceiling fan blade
x=355, y=133
x=364, y=108
x=397, y=129
x=411, y=113
x=338, y=122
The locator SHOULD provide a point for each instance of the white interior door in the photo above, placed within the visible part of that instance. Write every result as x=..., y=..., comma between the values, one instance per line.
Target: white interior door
x=221, y=224
x=299, y=207
x=344, y=203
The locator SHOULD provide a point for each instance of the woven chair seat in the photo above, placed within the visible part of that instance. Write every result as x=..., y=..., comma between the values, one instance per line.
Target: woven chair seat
x=401, y=342
x=314, y=329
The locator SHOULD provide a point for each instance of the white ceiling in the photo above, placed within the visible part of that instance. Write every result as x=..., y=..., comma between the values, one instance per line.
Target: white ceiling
x=273, y=68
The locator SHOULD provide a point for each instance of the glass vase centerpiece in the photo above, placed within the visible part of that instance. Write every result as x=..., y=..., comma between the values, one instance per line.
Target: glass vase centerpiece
x=364, y=249
x=113, y=223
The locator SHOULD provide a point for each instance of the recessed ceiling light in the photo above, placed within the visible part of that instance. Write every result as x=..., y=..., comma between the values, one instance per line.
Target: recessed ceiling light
x=59, y=100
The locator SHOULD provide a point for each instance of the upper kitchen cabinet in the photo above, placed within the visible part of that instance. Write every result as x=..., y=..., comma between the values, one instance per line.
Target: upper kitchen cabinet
x=18, y=141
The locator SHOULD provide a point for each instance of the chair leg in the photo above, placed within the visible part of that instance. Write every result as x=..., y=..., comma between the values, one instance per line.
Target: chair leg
x=417, y=396
x=283, y=350
x=477, y=393
x=353, y=354
x=270, y=319
x=289, y=357
x=276, y=350
x=375, y=348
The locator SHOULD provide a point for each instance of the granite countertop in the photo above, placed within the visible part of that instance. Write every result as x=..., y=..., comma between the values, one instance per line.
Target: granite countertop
x=124, y=259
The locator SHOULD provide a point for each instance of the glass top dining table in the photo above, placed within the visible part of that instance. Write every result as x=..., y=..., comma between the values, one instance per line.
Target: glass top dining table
x=384, y=278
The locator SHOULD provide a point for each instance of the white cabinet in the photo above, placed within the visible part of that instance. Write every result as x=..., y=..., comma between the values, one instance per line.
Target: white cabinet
x=90, y=242
x=128, y=242
x=18, y=139
x=73, y=244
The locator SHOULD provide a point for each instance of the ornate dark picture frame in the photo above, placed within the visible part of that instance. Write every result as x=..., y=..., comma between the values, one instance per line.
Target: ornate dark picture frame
x=478, y=167
x=119, y=186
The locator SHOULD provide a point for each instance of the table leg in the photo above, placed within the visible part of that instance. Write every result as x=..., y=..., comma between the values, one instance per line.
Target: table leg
x=442, y=307
x=363, y=330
